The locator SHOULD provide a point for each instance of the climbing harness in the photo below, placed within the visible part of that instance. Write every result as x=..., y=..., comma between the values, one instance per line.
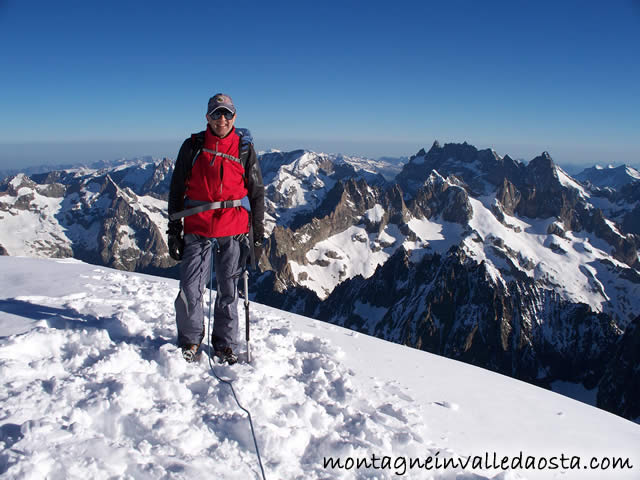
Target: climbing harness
x=203, y=207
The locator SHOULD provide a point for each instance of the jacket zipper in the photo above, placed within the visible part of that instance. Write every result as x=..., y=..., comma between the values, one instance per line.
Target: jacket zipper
x=221, y=169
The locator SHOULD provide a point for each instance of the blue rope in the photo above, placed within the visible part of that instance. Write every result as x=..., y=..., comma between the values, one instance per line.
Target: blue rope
x=228, y=382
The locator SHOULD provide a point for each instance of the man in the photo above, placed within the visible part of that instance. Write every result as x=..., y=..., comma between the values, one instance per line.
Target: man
x=217, y=188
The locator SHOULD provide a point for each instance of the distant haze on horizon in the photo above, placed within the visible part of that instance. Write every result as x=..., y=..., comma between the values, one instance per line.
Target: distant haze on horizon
x=17, y=156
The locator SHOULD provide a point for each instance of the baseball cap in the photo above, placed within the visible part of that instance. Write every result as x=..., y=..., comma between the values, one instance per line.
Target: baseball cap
x=220, y=100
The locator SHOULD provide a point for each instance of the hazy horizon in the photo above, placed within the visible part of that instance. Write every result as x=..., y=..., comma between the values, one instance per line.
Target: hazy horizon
x=17, y=156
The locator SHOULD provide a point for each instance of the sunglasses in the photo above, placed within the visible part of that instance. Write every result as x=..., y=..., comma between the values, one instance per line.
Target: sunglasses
x=221, y=112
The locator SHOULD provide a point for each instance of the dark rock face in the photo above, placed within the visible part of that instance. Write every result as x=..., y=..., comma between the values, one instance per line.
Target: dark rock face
x=53, y=190
x=619, y=388
x=480, y=170
x=623, y=210
x=460, y=160
x=105, y=228
x=631, y=221
x=441, y=197
x=450, y=305
x=542, y=194
x=267, y=289
x=625, y=247
x=342, y=208
x=509, y=197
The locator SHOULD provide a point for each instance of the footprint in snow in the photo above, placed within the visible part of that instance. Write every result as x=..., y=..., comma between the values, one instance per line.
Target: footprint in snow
x=279, y=331
x=396, y=391
x=449, y=405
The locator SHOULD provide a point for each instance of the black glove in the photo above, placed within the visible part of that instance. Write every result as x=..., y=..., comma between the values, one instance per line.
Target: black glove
x=258, y=242
x=175, y=240
x=176, y=247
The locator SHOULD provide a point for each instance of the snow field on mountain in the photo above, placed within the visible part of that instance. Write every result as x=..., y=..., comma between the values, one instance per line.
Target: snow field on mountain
x=94, y=387
x=566, y=181
x=342, y=256
x=156, y=209
x=546, y=257
x=301, y=183
x=356, y=251
x=51, y=226
x=31, y=230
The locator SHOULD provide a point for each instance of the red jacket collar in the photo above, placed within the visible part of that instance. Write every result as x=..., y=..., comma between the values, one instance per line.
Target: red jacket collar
x=211, y=140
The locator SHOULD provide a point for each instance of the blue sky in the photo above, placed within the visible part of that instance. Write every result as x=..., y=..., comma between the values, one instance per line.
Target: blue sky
x=102, y=80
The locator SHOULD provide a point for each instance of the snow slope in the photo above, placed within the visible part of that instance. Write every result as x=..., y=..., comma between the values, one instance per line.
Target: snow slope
x=93, y=387
x=358, y=252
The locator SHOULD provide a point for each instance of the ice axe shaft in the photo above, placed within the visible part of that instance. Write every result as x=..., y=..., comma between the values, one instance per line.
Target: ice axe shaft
x=245, y=276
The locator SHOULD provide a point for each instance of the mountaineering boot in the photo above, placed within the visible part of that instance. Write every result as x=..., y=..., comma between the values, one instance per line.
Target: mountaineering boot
x=190, y=353
x=226, y=355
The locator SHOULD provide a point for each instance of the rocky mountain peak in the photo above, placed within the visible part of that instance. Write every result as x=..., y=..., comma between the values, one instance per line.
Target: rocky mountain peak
x=109, y=186
x=541, y=171
x=480, y=170
x=419, y=157
x=440, y=197
x=434, y=178
x=544, y=159
x=12, y=185
x=461, y=152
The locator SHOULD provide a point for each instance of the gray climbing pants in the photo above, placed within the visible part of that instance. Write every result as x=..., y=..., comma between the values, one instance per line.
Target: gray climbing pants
x=195, y=272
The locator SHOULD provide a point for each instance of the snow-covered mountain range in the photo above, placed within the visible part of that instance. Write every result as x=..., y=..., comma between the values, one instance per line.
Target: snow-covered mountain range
x=94, y=387
x=609, y=177
x=515, y=267
x=112, y=216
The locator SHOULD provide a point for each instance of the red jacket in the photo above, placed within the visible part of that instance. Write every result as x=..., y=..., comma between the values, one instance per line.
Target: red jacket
x=216, y=178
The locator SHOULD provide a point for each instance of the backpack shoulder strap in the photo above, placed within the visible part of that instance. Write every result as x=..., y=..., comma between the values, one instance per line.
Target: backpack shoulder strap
x=197, y=142
x=246, y=140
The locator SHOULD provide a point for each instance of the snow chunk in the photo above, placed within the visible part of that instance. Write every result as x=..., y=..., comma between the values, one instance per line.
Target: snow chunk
x=375, y=214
